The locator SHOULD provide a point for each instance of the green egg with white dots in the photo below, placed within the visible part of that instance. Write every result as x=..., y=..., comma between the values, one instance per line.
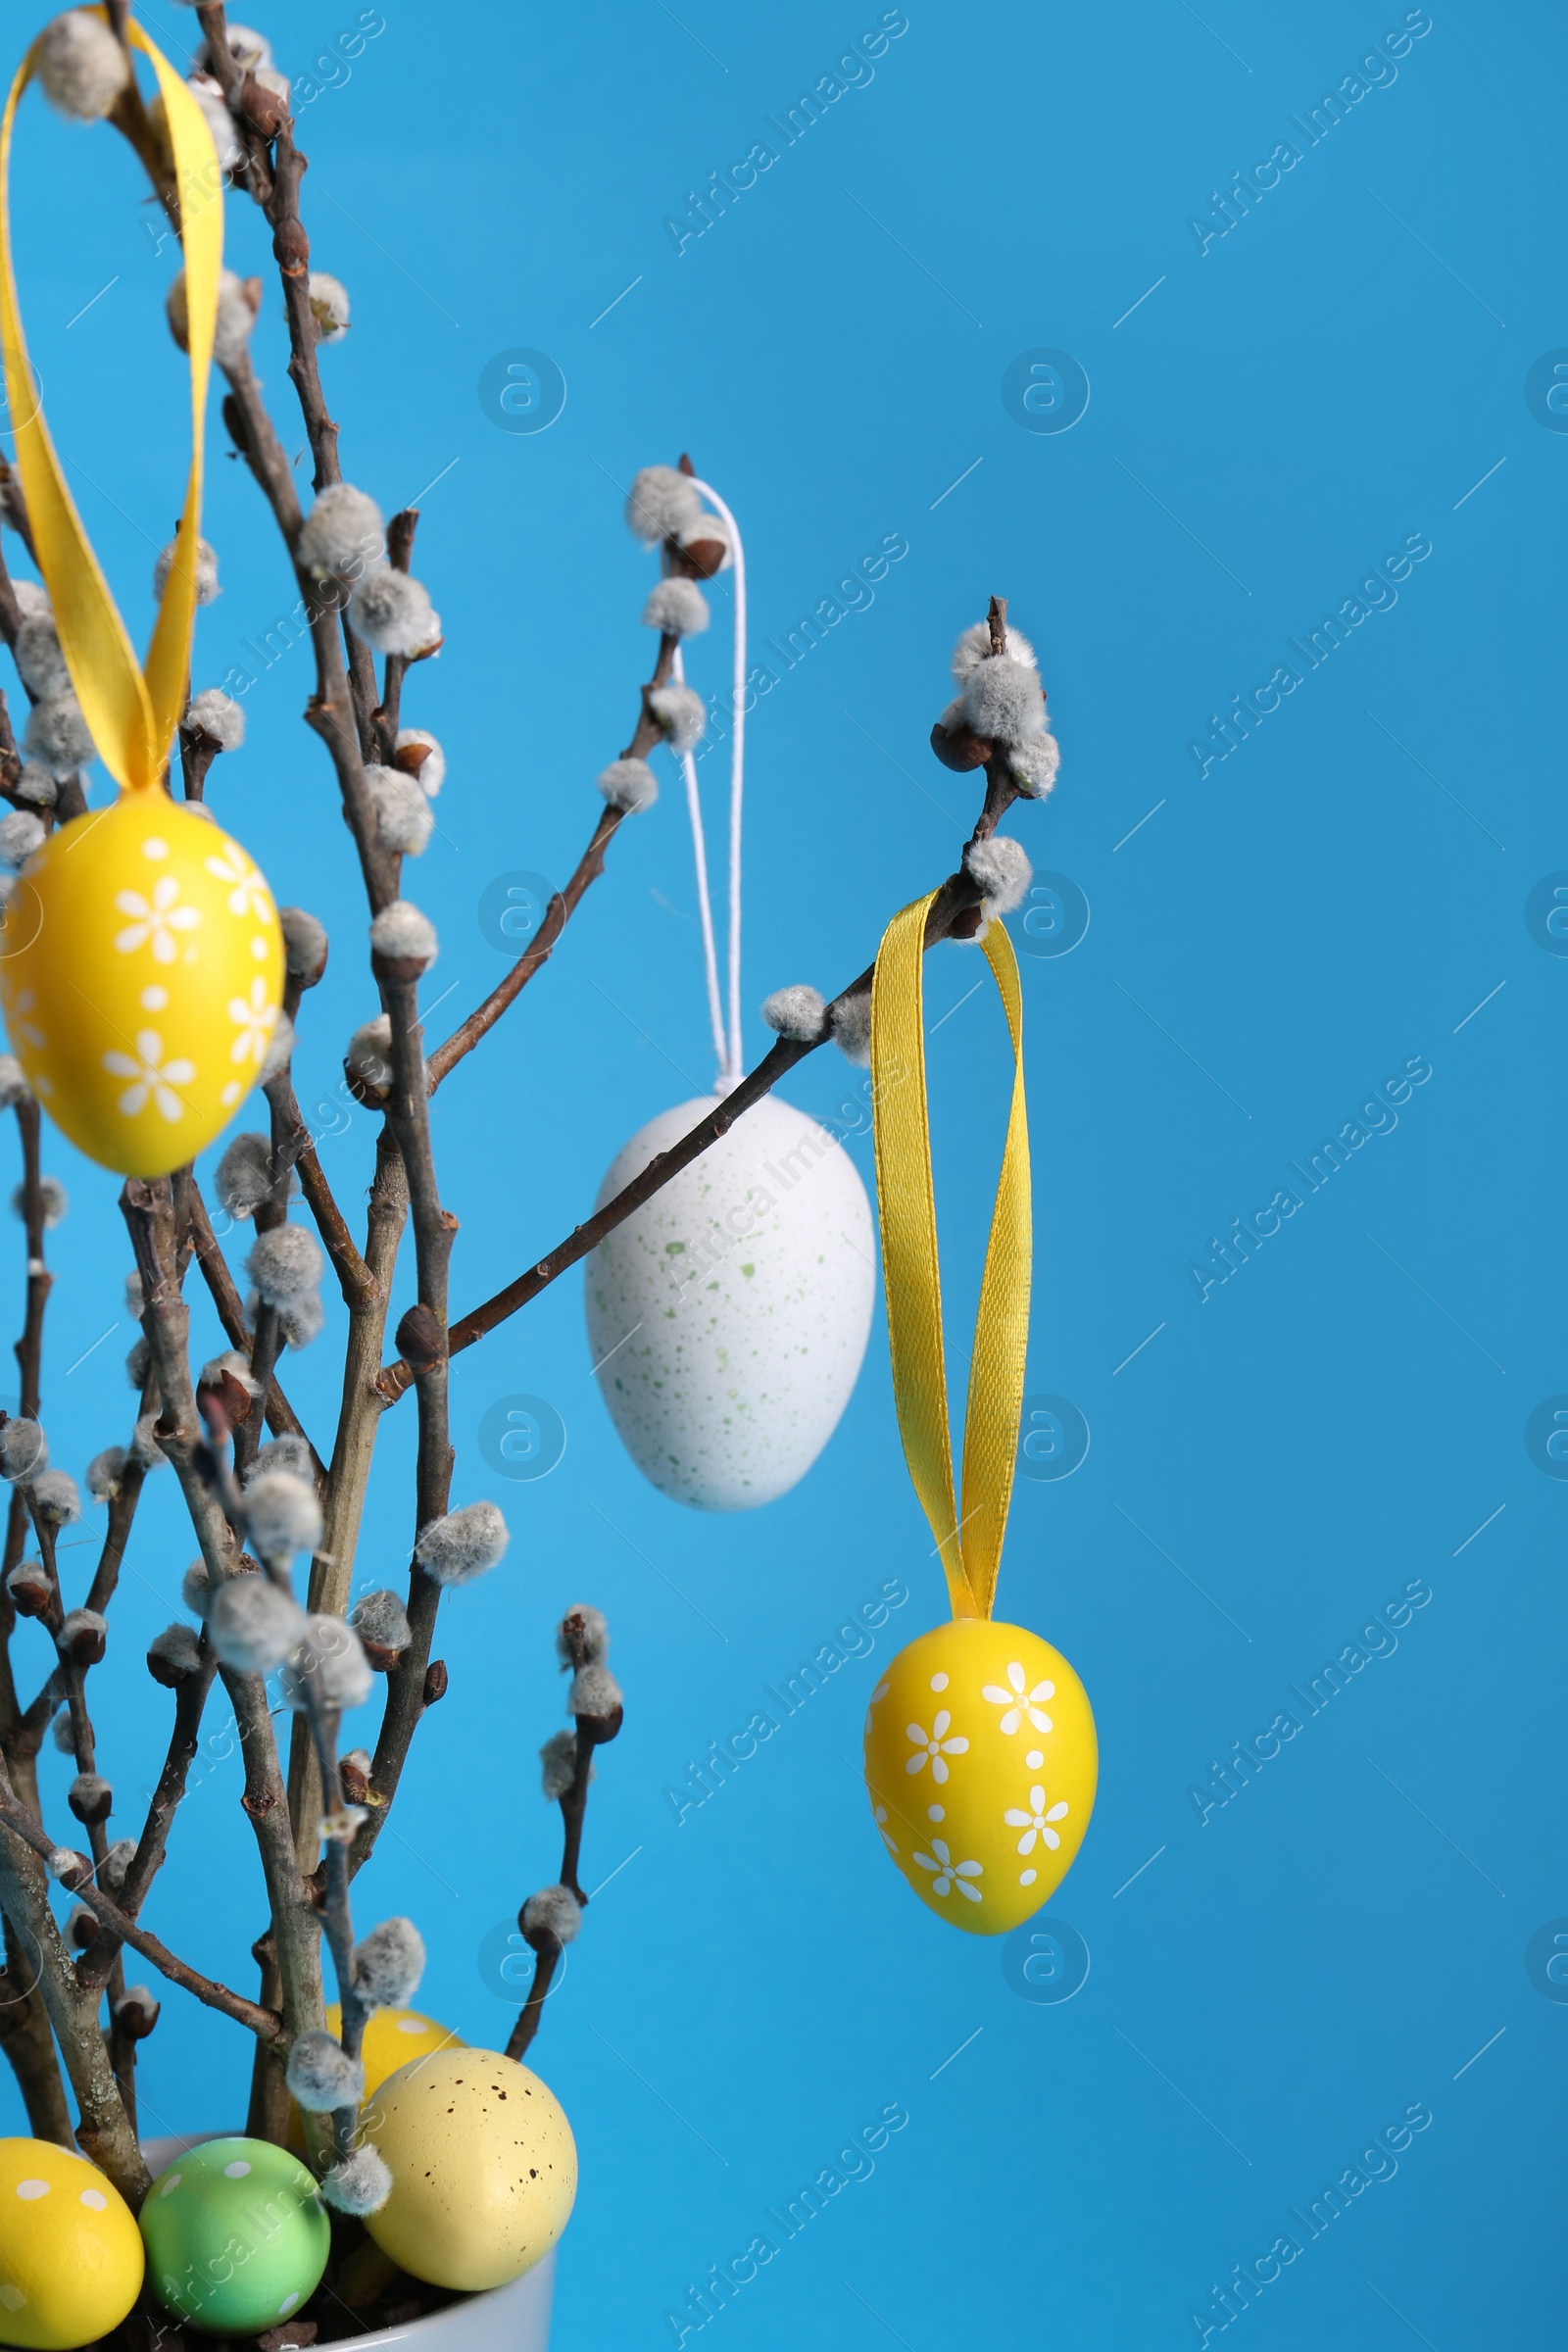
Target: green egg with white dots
x=236, y=2236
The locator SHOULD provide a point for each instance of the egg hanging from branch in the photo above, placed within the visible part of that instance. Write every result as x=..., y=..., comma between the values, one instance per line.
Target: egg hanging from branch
x=728, y=1316
x=981, y=1763
x=141, y=971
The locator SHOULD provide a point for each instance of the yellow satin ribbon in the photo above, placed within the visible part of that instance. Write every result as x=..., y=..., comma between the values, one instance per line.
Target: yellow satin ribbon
x=132, y=712
x=971, y=1543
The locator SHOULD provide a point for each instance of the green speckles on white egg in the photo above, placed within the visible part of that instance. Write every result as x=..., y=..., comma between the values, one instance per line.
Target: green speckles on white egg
x=728, y=1317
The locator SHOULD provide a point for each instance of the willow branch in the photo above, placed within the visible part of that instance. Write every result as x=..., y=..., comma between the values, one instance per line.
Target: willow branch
x=190, y=1701
x=280, y=1414
x=261, y=2022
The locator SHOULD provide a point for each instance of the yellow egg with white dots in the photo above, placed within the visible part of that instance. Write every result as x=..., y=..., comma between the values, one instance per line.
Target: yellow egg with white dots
x=70, y=2253
x=981, y=1762
x=141, y=971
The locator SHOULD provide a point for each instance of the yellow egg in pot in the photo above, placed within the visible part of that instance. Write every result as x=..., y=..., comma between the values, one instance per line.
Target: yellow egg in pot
x=484, y=2165
x=981, y=1763
x=141, y=970
x=71, y=2255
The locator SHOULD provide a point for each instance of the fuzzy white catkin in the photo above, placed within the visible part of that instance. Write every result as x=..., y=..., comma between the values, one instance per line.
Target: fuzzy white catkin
x=342, y=533
x=40, y=664
x=288, y=1452
x=217, y=716
x=23, y=1451
x=433, y=766
x=1033, y=764
x=144, y=1443
x=55, y=1498
x=1003, y=699
x=594, y=1691
x=250, y=49
x=629, y=784
x=32, y=597
x=56, y=1199
x=850, y=1020
x=1002, y=869
x=301, y=1320
x=321, y=2074
x=21, y=833
x=392, y=611
x=358, y=2184
x=115, y=1864
x=82, y=67
x=13, y=1082
x=209, y=97
x=553, y=1911
x=974, y=647
x=282, y=1516
x=676, y=606
x=305, y=944
x=663, y=504
x=284, y=1263
x=381, y=1618
x=389, y=1963
x=244, y=1175
x=797, y=1012
x=716, y=530
x=369, y=1053
x=105, y=1471
x=230, y=1361
x=680, y=714
x=329, y=298
x=558, y=1764
x=36, y=785
x=236, y=315
x=329, y=1654
x=207, y=587
x=403, y=819
x=279, y=1047
x=57, y=735
x=64, y=1731
x=177, y=1649
x=81, y=1626
x=138, y=1358
x=460, y=1547
x=401, y=934
x=195, y=1589
x=590, y=1634
x=253, y=1624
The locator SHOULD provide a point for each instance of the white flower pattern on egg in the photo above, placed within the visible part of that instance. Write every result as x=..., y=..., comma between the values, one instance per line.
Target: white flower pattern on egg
x=150, y=1074
x=249, y=894
x=254, y=1018
x=1036, y=1823
x=155, y=920
x=936, y=1745
x=1019, y=1702
x=949, y=1874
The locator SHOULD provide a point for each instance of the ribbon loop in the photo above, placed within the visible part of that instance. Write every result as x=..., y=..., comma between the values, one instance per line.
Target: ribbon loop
x=971, y=1545
x=132, y=712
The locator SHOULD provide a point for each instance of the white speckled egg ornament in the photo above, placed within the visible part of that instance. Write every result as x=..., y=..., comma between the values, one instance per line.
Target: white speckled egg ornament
x=728, y=1316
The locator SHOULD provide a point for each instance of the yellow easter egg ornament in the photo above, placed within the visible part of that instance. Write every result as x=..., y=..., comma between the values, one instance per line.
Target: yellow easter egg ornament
x=981, y=1759
x=484, y=2165
x=981, y=1763
x=70, y=2253
x=141, y=961
x=141, y=971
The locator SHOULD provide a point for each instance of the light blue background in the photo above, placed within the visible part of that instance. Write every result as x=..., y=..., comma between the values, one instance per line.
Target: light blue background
x=1275, y=417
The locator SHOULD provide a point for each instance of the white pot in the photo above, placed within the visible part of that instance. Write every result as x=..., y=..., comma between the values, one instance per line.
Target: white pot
x=508, y=2318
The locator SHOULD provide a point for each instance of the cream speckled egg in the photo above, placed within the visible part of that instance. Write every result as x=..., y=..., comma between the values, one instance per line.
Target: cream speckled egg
x=70, y=2257
x=484, y=2165
x=728, y=1316
x=141, y=970
x=981, y=1763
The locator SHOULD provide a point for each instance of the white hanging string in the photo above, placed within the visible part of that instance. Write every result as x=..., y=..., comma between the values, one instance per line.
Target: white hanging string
x=694, y=810
x=731, y=1068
